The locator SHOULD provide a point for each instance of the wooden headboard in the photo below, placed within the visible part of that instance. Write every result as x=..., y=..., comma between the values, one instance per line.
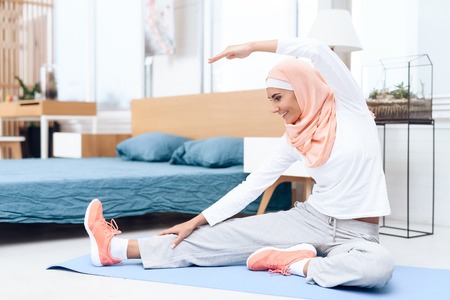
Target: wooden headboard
x=237, y=114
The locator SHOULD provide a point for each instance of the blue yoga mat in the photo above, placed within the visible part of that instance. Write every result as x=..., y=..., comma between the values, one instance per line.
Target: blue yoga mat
x=407, y=282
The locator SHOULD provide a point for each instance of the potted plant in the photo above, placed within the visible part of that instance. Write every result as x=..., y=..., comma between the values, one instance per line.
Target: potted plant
x=28, y=94
x=398, y=104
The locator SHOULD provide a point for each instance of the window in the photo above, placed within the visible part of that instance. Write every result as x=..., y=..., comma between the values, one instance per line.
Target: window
x=99, y=54
x=100, y=47
x=118, y=53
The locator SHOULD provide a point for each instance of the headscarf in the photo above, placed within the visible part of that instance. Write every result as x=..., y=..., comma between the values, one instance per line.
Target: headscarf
x=313, y=134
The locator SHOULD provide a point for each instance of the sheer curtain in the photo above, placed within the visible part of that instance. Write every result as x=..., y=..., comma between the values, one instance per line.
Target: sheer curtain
x=99, y=51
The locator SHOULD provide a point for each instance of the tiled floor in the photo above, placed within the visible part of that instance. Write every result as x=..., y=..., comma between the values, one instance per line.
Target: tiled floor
x=27, y=249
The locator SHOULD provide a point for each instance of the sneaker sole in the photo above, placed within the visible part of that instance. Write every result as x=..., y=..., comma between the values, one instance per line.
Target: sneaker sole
x=293, y=248
x=95, y=258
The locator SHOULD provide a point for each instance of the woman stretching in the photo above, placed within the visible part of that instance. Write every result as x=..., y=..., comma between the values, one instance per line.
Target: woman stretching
x=332, y=238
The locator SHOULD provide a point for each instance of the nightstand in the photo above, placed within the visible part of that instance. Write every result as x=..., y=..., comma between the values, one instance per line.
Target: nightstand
x=256, y=150
x=78, y=145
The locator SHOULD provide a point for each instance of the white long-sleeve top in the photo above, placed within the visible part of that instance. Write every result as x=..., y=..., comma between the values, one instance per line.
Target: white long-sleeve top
x=351, y=183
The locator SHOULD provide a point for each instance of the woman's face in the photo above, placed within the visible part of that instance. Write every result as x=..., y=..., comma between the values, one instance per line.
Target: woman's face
x=285, y=104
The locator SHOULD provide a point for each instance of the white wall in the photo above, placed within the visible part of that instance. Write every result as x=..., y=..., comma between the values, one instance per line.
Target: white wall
x=442, y=192
x=421, y=172
x=433, y=30
x=433, y=25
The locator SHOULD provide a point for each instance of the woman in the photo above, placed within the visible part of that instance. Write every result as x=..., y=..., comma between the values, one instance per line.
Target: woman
x=332, y=238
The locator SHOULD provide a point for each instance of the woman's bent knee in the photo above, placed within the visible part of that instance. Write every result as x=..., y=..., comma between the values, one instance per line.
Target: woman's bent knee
x=382, y=268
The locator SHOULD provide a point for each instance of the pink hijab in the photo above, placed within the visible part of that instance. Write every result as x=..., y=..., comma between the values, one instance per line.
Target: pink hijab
x=313, y=134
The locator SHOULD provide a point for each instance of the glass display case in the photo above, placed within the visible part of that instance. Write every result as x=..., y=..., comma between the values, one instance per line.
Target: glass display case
x=400, y=90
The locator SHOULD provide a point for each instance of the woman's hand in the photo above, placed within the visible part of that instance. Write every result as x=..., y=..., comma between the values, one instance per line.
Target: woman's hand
x=244, y=50
x=233, y=51
x=183, y=230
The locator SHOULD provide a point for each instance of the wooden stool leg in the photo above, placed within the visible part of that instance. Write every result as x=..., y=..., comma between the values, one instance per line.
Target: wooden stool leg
x=268, y=193
x=15, y=149
x=307, y=188
x=266, y=198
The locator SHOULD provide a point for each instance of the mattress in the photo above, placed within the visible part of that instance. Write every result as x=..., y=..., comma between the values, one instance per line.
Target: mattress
x=58, y=190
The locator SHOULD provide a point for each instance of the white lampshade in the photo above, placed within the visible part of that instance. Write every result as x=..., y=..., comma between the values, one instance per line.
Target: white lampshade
x=334, y=27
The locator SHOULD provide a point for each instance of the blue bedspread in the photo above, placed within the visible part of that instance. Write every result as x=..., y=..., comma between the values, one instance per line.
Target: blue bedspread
x=58, y=190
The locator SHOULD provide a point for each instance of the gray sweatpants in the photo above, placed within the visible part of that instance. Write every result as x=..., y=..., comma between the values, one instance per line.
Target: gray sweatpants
x=348, y=252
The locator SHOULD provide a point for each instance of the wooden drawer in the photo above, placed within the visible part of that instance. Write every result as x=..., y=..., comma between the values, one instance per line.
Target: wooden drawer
x=34, y=108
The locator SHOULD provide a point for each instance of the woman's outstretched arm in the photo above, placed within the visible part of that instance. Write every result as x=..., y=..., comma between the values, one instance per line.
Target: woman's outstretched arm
x=244, y=50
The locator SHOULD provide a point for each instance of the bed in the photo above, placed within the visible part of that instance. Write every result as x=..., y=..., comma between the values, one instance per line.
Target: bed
x=57, y=190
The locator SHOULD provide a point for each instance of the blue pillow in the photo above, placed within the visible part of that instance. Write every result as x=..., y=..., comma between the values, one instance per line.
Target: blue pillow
x=152, y=147
x=218, y=152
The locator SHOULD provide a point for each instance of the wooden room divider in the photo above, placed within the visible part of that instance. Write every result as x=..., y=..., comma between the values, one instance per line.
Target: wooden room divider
x=26, y=44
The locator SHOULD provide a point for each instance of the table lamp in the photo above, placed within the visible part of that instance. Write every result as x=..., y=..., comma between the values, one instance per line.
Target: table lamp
x=334, y=27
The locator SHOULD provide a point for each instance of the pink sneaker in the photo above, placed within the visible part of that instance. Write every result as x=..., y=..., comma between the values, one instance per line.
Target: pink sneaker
x=278, y=260
x=100, y=233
